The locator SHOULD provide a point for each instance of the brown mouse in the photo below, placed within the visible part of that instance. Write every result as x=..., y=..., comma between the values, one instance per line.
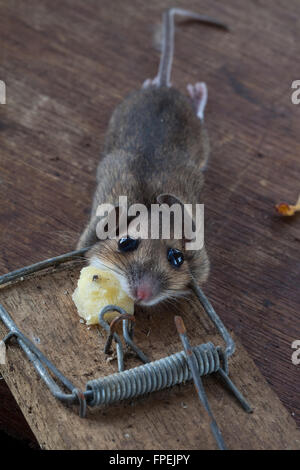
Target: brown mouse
x=155, y=151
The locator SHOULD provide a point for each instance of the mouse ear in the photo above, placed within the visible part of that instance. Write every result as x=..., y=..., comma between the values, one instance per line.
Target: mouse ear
x=112, y=221
x=186, y=214
x=169, y=199
x=107, y=221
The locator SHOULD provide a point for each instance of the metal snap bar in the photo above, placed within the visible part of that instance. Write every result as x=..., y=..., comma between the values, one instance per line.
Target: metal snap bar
x=147, y=378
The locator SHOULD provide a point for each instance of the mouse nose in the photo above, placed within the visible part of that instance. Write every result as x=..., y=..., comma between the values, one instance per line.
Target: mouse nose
x=143, y=292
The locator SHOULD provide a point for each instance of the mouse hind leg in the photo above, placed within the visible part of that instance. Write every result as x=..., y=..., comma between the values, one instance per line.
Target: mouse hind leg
x=149, y=82
x=198, y=94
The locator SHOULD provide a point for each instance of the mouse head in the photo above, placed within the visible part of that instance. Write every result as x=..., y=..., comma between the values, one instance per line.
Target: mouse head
x=151, y=270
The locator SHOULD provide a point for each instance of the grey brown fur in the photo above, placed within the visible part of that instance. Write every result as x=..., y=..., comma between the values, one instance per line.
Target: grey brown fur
x=155, y=144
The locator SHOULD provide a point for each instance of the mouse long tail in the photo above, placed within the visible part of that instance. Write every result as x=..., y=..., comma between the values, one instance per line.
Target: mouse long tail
x=164, y=71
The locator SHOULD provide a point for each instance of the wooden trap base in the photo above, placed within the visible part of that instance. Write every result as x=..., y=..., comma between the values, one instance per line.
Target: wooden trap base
x=42, y=308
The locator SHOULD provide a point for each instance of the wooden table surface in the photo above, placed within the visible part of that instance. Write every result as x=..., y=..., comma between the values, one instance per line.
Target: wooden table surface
x=66, y=65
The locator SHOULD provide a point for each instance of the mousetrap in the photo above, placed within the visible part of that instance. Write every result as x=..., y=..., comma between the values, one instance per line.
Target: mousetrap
x=191, y=363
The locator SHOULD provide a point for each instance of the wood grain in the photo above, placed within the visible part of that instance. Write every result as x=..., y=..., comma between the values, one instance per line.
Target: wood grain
x=66, y=65
x=43, y=309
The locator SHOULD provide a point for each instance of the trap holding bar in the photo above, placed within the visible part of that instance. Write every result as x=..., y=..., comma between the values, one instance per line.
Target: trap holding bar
x=147, y=378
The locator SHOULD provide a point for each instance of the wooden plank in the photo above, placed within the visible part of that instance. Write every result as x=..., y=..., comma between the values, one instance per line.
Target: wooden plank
x=170, y=419
x=12, y=420
x=67, y=64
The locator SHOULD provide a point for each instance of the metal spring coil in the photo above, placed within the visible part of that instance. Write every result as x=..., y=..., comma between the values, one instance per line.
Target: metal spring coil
x=153, y=376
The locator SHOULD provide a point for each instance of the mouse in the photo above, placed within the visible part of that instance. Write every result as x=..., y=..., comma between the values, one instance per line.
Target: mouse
x=155, y=152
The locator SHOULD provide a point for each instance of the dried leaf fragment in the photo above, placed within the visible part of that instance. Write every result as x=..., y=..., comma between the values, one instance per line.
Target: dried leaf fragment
x=288, y=209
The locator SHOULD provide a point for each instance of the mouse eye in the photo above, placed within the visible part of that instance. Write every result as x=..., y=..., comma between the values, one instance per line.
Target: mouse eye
x=175, y=257
x=128, y=244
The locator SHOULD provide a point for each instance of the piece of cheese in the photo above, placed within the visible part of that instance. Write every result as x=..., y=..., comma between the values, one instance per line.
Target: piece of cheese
x=96, y=289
